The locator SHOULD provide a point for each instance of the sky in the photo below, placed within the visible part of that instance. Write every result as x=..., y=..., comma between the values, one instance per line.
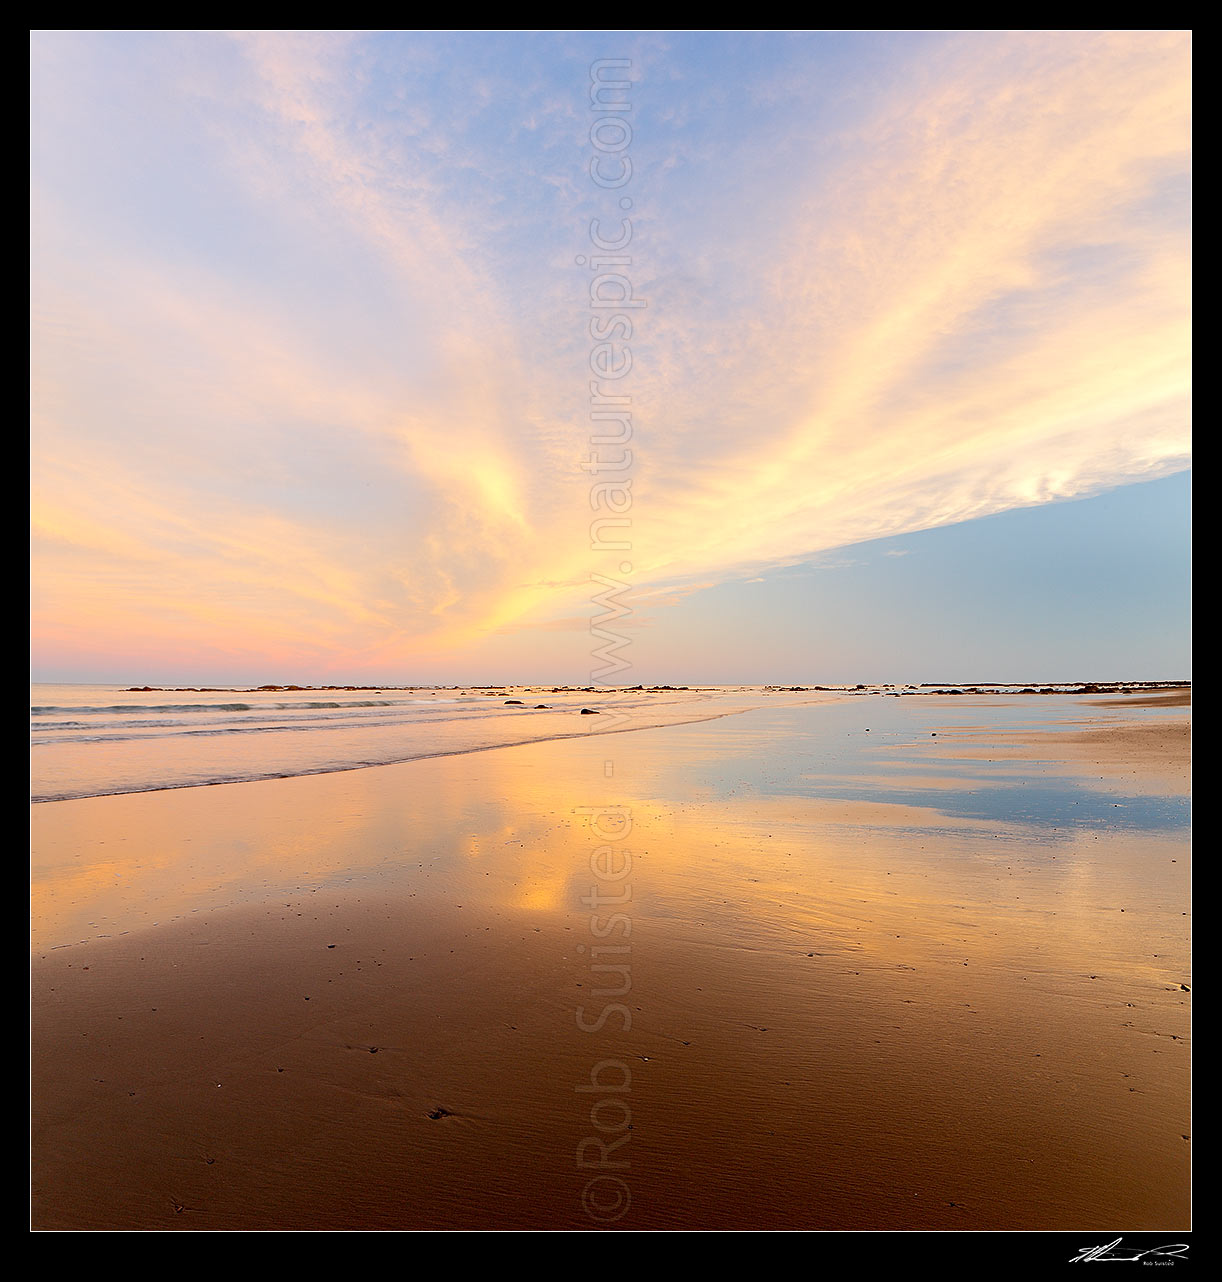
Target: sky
x=609, y=357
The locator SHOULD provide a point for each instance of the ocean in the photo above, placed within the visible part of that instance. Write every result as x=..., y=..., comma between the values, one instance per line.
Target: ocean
x=97, y=740
x=101, y=740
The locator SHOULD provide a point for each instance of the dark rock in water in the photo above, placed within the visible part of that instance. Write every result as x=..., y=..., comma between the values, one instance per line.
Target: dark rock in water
x=589, y=712
x=438, y=1113
x=542, y=705
x=517, y=701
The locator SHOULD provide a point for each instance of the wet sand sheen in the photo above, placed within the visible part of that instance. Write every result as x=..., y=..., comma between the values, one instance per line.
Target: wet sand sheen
x=835, y=1022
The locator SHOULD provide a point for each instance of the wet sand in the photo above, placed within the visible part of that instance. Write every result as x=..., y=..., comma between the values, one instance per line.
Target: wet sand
x=356, y=1001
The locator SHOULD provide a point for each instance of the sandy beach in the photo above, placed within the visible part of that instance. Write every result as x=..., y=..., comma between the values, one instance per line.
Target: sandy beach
x=635, y=981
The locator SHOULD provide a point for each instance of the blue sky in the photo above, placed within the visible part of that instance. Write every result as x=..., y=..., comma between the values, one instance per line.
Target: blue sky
x=1088, y=589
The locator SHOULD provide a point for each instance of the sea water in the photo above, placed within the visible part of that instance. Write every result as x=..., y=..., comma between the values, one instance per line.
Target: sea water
x=96, y=740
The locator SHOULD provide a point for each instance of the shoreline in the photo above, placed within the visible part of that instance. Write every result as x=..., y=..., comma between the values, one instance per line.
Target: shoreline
x=1171, y=695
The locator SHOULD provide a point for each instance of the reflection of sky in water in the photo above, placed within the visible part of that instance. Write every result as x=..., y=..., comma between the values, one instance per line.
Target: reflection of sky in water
x=885, y=750
x=503, y=826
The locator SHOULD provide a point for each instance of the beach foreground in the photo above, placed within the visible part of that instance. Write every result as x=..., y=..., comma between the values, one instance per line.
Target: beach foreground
x=865, y=964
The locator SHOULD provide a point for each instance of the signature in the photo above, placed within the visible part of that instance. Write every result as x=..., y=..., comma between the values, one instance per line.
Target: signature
x=1114, y=1251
